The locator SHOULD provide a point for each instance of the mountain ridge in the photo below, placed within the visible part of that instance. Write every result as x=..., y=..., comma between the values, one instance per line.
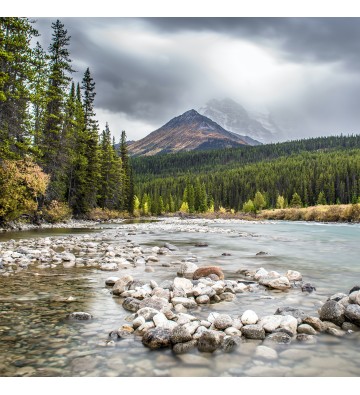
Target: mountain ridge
x=190, y=131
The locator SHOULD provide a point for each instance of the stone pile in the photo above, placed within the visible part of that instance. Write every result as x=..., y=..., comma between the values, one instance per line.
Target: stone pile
x=161, y=314
x=341, y=312
x=78, y=251
x=275, y=280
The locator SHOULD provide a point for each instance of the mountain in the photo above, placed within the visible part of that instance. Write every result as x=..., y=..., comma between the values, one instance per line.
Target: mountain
x=188, y=132
x=232, y=116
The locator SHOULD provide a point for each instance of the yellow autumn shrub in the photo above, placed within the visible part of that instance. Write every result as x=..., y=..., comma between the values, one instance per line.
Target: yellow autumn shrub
x=22, y=183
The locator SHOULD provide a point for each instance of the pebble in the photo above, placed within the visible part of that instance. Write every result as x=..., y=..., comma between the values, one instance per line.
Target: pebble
x=266, y=353
x=249, y=317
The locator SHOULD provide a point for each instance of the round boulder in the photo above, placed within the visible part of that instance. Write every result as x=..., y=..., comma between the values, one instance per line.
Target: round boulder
x=249, y=317
x=157, y=338
x=209, y=341
x=332, y=311
x=180, y=334
x=253, y=332
x=352, y=313
x=223, y=321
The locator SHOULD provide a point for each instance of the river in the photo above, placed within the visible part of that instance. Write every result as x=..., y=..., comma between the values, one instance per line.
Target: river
x=36, y=338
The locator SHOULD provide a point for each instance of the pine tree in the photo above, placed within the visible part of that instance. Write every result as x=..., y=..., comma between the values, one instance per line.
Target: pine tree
x=38, y=91
x=128, y=183
x=16, y=75
x=295, y=201
x=321, y=198
x=53, y=148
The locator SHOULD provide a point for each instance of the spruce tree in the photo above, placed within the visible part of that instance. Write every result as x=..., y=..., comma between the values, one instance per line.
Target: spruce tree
x=128, y=182
x=295, y=201
x=16, y=75
x=54, y=154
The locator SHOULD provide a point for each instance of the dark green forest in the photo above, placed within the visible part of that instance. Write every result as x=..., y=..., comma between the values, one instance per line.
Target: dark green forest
x=319, y=170
x=49, y=132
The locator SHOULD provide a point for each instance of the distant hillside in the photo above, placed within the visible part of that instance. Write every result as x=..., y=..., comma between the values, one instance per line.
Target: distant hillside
x=200, y=162
x=190, y=131
x=229, y=177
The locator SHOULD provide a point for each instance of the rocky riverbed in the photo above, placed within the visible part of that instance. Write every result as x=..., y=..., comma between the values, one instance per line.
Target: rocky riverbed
x=171, y=298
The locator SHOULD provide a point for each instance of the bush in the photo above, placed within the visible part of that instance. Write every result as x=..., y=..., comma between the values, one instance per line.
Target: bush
x=56, y=212
x=22, y=182
x=99, y=214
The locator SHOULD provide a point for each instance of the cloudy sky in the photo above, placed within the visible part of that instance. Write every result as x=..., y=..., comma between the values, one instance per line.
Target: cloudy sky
x=148, y=70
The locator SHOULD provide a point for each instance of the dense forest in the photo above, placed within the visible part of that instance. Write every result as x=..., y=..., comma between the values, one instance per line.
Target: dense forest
x=300, y=173
x=54, y=161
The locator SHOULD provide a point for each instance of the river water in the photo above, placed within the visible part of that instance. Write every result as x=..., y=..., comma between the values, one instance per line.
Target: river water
x=36, y=339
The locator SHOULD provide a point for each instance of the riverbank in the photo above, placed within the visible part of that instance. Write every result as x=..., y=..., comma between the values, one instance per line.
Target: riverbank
x=46, y=280
x=320, y=213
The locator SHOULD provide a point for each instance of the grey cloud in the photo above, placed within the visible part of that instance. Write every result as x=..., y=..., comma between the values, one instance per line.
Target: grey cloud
x=300, y=39
x=145, y=89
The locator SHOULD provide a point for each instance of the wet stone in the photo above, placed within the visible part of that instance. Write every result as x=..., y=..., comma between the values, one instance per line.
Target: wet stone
x=279, y=338
x=230, y=343
x=80, y=315
x=181, y=348
x=157, y=338
x=253, y=332
x=209, y=341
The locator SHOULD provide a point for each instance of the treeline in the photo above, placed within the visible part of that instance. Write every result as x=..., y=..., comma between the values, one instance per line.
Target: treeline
x=204, y=161
x=305, y=179
x=48, y=128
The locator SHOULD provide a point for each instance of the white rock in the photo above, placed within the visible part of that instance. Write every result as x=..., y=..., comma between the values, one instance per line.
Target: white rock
x=138, y=321
x=192, y=326
x=231, y=331
x=270, y=322
x=280, y=283
x=260, y=273
x=183, y=283
x=290, y=323
x=212, y=317
x=160, y=319
x=237, y=323
x=249, y=317
x=267, y=353
x=293, y=275
x=354, y=297
x=187, y=269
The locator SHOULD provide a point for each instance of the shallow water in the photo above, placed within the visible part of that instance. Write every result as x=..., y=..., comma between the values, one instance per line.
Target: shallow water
x=36, y=339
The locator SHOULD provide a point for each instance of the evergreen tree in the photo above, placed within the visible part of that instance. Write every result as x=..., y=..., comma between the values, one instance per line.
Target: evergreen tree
x=55, y=155
x=16, y=75
x=110, y=173
x=295, y=200
x=259, y=201
x=77, y=192
x=38, y=91
x=128, y=183
x=321, y=198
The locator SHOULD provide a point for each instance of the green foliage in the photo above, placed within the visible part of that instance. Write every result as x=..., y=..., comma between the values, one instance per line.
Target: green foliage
x=16, y=75
x=248, y=207
x=295, y=200
x=280, y=202
x=321, y=198
x=259, y=201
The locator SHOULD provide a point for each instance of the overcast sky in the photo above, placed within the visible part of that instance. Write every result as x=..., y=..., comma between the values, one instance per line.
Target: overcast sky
x=148, y=70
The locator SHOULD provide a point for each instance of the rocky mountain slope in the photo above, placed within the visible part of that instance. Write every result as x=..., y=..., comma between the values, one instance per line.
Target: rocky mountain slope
x=187, y=132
